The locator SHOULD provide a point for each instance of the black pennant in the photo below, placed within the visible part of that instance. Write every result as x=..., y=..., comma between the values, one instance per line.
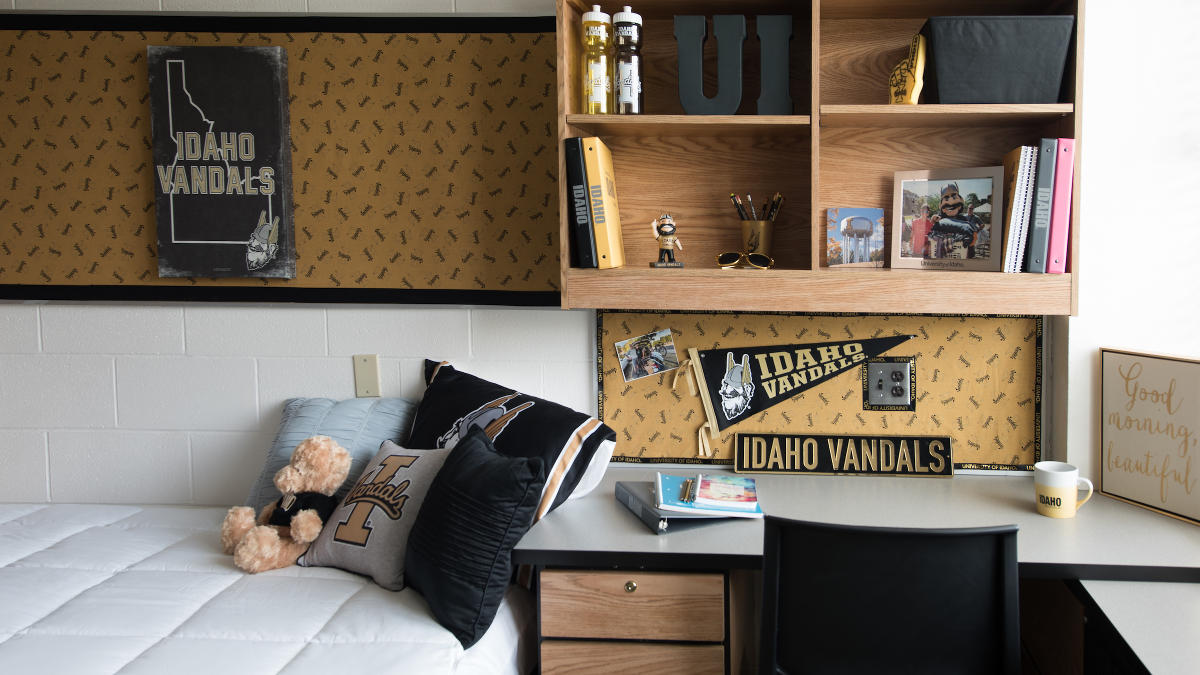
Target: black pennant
x=743, y=381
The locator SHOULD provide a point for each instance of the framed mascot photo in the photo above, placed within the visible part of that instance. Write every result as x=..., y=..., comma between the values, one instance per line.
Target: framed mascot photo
x=949, y=219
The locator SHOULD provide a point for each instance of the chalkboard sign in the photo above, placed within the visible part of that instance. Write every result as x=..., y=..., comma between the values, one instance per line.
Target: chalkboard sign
x=222, y=161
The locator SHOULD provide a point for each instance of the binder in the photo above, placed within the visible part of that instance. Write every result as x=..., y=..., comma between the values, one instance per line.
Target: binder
x=602, y=190
x=579, y=209
x=1060, y=211
x=1043, y=199
x=638, y=497
x=1019, y=166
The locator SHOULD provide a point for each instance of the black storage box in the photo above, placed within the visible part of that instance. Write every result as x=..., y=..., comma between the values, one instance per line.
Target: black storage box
x=995, y=59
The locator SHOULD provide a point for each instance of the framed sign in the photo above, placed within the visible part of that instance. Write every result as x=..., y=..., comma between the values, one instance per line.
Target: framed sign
x=1149, y=435
x=222, y=160
x=943, y=219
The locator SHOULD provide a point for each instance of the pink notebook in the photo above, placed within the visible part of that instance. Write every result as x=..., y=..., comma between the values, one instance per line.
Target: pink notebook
x=1060, y=210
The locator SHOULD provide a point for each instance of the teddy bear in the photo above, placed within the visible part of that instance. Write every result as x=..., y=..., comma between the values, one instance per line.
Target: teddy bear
x=286, y=527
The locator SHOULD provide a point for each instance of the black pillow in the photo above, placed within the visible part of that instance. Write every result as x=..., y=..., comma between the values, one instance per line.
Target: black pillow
x=459, y=553
x=519, y=425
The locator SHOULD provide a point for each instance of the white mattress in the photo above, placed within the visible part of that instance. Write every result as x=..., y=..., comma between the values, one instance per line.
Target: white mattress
x=128, y=589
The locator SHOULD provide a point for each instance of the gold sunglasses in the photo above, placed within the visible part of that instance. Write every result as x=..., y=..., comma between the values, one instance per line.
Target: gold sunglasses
x=735, y=259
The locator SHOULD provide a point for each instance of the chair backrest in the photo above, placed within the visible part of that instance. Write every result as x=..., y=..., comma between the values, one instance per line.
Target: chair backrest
x=849, y=599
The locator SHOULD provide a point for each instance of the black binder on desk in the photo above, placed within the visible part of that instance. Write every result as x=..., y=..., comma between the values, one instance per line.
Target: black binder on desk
x=638, y=496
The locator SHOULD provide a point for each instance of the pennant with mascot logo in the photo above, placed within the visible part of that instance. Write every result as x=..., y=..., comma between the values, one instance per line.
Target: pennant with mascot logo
x=736, y=383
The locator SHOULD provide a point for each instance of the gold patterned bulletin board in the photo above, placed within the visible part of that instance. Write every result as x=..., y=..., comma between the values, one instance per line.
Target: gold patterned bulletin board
x=421, y=160
x=977, y=381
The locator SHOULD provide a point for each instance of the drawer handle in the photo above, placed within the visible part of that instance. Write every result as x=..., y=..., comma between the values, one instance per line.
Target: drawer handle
x=630, y=586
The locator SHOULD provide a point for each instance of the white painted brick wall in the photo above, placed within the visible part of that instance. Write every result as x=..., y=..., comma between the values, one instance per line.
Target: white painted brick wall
x=177, y=403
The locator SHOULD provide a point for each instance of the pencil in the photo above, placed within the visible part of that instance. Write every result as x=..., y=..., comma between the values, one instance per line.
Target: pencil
x=776, y=203
x=737, y=204
x=750, y=203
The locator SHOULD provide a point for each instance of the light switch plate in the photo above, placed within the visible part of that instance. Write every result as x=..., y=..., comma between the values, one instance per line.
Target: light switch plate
x=366, y=375
x=889, y=383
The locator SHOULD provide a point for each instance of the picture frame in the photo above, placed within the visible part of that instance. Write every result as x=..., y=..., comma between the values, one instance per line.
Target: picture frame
x=1150, y=431
x=963, y=229
x=855, y=237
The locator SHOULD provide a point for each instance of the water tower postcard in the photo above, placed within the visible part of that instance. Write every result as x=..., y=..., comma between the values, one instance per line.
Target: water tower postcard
x=222, y=160
x=1150, y=431
x=948, y=219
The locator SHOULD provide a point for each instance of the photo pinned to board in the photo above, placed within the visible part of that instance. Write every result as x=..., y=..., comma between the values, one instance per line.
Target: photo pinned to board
x=646, y=355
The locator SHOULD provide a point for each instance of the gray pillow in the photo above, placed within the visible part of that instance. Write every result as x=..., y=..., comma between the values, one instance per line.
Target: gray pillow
x=359, y=424
x=368, y=532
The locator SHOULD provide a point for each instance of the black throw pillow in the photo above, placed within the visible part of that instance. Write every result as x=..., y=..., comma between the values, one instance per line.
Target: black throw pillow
x=459, y=553
x=574, y=447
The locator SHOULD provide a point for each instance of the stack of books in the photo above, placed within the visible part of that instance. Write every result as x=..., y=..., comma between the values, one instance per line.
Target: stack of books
x=673, y=502
x=1037, y=213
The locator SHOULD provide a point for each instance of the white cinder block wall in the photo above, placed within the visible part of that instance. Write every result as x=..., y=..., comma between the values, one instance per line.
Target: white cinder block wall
x=177, y=403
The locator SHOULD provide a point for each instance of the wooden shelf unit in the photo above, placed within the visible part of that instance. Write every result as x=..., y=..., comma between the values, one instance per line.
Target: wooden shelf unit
x=839, y=148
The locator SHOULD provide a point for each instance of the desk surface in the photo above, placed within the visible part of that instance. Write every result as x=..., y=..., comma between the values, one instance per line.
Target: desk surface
x=1159, y=621
x=1108, y=539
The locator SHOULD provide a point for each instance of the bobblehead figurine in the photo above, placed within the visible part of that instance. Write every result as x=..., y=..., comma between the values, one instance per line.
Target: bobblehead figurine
x=664, y=232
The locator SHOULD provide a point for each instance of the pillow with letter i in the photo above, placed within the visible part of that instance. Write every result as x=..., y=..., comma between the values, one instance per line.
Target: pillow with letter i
x=368, y=532
x=574, y=446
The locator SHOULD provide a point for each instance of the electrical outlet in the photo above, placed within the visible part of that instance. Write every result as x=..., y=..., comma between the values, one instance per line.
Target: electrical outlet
x=888, y=384
x=366, y=375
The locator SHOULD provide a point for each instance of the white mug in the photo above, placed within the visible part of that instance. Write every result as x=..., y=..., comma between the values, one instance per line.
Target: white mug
x=1056, y=487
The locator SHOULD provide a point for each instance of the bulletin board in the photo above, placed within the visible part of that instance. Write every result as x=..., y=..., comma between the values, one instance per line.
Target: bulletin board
x=423, y=156
x=976, y=380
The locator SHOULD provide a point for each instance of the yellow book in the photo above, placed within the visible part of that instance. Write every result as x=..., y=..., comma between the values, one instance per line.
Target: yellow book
x=602, y=193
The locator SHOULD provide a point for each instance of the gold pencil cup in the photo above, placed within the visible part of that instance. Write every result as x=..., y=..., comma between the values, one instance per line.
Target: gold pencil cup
x=756, y=236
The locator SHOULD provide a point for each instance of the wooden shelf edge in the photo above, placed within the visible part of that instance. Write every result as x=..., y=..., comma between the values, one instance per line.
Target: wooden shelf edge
x=686, y=125
x=884, y=291
x=942, y=114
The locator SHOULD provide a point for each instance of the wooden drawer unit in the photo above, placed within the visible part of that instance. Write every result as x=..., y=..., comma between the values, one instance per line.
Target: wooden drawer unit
x=632, y=620
x=635, y=605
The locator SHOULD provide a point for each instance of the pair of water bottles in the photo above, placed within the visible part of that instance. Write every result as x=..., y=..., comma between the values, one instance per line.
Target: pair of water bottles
x=611, y=59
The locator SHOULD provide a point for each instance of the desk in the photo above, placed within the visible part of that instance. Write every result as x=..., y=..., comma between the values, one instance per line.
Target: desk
x=1160, y=622
x=1107, y=540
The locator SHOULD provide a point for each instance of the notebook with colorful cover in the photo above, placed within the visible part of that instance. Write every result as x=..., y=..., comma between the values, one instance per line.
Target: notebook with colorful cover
x=708, y=494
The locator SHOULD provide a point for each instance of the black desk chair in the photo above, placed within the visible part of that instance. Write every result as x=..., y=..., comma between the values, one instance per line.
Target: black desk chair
x=845, y=599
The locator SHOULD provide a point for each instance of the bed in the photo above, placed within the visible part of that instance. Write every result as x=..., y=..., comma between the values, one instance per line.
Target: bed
x=129, y=589
x=138, y=589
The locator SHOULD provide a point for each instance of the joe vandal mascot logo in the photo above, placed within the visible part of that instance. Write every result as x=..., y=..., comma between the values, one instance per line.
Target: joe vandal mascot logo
x=492, y=417
x=737, y=389
x=263, y=244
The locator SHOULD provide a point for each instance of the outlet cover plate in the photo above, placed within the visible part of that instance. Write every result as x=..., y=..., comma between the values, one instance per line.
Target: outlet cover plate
x=366, y=375
x=889, y=383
